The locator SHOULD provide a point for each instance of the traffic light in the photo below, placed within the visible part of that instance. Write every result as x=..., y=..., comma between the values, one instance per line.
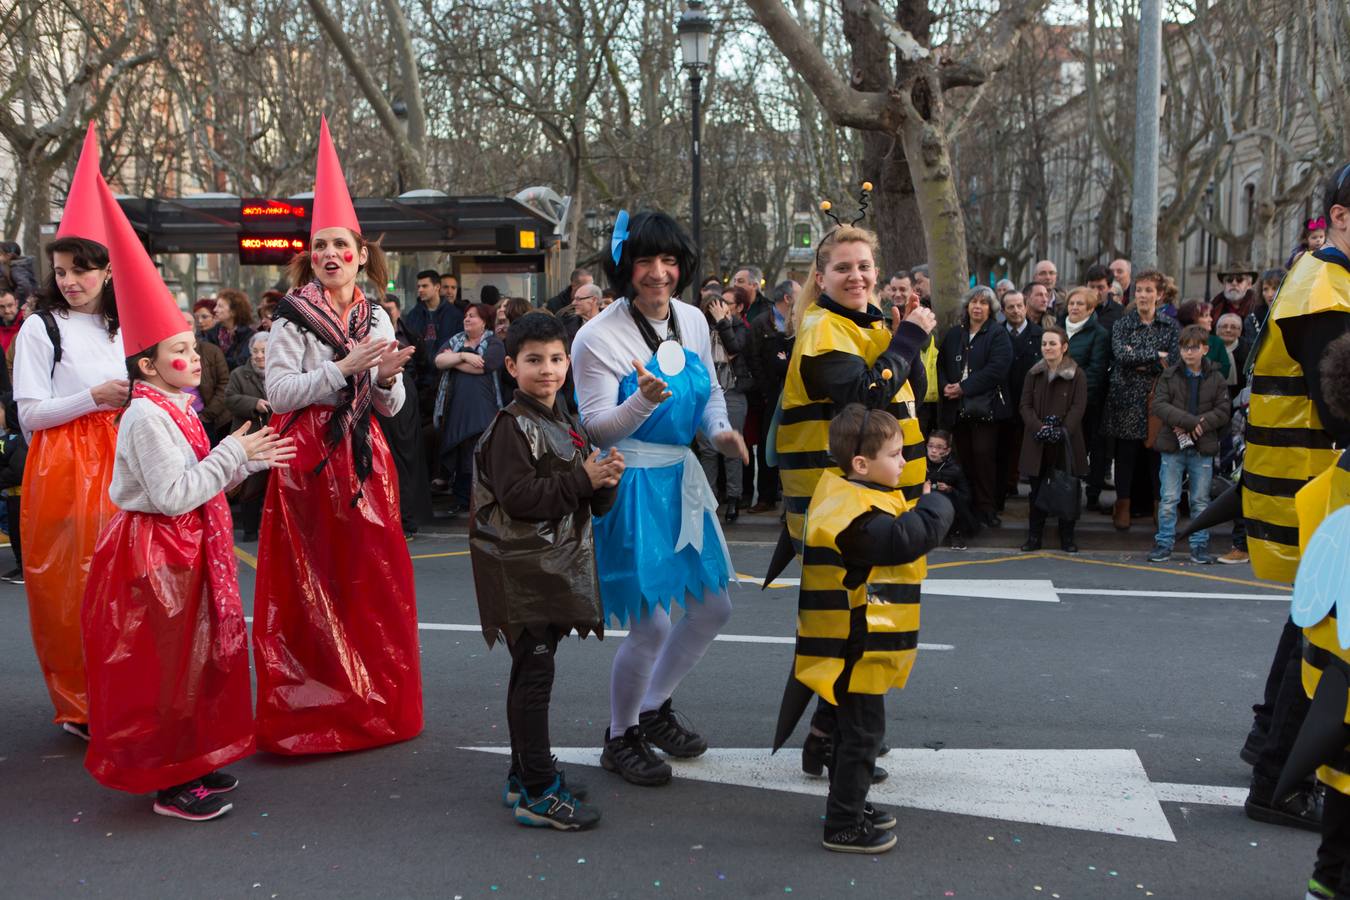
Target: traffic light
x=514, y=239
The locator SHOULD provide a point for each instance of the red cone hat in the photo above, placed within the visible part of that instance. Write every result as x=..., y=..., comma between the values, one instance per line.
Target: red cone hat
x=147, y=310
x=332, y=203
x=83, y=215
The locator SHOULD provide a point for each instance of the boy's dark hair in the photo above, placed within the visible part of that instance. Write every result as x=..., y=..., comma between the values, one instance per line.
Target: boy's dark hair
x=534, y=327
x=1096, y=272
x=651, y=233
x=431, y=274
x=1335, y=372
x=941, y=434
x=1193, y=334
x=858, y=431
x=1336, y=191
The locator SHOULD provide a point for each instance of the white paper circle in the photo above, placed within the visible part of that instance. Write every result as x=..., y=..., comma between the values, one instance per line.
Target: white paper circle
x=670, y=357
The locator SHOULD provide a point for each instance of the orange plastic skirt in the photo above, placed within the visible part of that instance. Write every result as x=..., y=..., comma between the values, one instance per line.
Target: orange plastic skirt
x=65, y=507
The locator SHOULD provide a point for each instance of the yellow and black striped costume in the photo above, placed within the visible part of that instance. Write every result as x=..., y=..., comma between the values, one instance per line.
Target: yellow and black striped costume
x=803, y=432
x=1286, y=442
x=1320, y=498
x=877, y=621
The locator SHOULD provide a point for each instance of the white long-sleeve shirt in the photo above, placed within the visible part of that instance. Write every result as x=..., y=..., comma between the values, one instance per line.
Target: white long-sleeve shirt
x=602, y=356
x=301, y=370
x=89, y=357
x=157, y=471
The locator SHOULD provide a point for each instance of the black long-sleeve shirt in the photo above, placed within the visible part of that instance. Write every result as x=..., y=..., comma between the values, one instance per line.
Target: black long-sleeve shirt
x=843, y=378
x=881, y=539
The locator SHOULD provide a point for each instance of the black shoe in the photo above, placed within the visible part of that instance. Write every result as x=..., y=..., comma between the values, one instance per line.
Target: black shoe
x=1251, y=749
x=250, y=537
x=13, y=576
x=732, y=514
x=1301, y=808
x=817, y=752
x=632, y=757
x=219, y=782
x=662, y=728
x=192, y=802
x=79, y=729
x=883, y=750
x=991, y=520
x=556, y=808
x=880, y=819
x=862, y=838
x=1033, y=543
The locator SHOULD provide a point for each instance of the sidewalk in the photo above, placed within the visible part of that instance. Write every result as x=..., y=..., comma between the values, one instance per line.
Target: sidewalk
x=1094, y=531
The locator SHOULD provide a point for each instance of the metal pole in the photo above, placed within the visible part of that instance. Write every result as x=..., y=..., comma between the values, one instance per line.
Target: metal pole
x=696, y=204
x=1144, y=209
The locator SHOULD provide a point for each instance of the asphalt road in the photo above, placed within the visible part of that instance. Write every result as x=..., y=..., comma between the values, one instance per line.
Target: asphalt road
x=1154, y=690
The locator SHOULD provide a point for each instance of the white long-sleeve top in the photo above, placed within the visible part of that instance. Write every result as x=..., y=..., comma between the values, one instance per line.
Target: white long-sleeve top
x=602, y=356
x=157, y=471
x=48, y=398
x=301, y=370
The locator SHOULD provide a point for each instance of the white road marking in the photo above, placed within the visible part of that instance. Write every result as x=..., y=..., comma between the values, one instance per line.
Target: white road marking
x=1036, y=590
x=1173, y=595
x=619, y=632
x=1104, y=791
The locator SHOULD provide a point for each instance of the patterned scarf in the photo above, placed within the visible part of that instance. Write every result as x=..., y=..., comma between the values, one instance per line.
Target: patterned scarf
x=307, y=309
x=221, y=570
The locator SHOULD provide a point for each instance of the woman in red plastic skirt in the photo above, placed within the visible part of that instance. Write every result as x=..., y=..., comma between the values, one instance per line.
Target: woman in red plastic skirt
x=69, y=381
x=335, y=618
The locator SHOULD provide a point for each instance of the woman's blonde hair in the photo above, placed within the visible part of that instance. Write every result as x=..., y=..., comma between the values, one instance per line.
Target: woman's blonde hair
x=844, y=234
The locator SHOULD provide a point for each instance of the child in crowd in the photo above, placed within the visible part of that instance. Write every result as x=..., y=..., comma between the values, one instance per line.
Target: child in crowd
x=13, y=455
x=537, y=484
x=858, y=612
x=165, y=643
x=947, y=478
x=1192, y=401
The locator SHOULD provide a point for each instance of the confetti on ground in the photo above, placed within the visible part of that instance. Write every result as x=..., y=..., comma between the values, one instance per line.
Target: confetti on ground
x=581, y=861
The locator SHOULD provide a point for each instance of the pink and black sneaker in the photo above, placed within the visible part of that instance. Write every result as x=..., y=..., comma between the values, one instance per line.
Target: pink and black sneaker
x=219, y=782
x=191, y=801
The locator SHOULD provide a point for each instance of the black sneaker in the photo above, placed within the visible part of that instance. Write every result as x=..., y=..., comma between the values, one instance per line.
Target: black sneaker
x=862, y=838
x=192, y=802
x=219, y=782
x=555, y=808
x=79, y=729
x=662, y=728
x=880, y=819
x=13, y=576
x=1318, y=891
x=632, y=757
x=1301, y=808
x=1251, y=748
x=817, y=752
x=514, y=788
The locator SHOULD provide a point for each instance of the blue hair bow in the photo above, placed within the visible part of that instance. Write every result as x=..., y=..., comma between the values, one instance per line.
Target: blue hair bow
x=620, y=235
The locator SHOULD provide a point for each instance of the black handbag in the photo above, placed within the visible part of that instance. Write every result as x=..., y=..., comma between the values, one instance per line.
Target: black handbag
x=978, y=407
x=1060, y=494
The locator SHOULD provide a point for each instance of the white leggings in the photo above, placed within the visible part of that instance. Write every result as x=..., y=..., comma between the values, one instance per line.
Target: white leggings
x=655, y=657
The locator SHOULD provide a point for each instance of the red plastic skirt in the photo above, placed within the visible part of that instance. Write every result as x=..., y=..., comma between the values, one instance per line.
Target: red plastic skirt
x=65, y=508
x=335, y=616
x=169, y=692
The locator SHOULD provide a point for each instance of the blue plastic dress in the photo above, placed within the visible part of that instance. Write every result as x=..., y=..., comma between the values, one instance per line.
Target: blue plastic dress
x=635, y=541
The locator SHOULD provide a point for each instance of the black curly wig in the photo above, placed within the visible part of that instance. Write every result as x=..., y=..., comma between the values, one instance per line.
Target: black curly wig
x=651, y=233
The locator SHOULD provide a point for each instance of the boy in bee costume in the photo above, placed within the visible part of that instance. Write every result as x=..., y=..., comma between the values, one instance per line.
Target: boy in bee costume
x=1324, y=541
x=858, y=610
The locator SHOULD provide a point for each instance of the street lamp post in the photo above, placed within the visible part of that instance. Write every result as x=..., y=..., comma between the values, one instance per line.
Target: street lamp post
x=695, y=32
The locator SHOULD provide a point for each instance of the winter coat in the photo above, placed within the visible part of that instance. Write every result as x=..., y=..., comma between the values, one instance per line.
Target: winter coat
x=1135, y=366
x=768, y=368
x=986, y=371
x=734, y=335
x=233, y=344
x=215, y=375
x=19, y=276
x=432, y=327
x=1091, y=349
x=1026, y=353
x=246, y=387
x=1061, y=392
x=1171, y=404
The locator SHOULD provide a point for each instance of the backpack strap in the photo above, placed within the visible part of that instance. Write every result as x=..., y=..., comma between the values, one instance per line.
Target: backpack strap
x=53, y=335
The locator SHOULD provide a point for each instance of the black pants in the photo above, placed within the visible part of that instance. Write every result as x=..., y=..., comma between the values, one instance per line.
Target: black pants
x=1007, y=476
x=527, y=701
x=1100, y=447
x=1036, y=518
x=859, y=727
x=1333, y=854
x=1284, y=706
x=251, y=499
x=766, y=476
x=928, y=417
x=976, y=449
x=459, y=467
x=1135, y=461
x=12, y=516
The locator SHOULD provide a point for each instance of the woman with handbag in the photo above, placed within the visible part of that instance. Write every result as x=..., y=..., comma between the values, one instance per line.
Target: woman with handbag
x=1142, y=343
x=1054, y=453
x=973, y=364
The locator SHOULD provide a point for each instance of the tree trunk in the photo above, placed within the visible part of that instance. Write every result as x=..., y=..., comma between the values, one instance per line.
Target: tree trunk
x=896, y=207
x=939, y=210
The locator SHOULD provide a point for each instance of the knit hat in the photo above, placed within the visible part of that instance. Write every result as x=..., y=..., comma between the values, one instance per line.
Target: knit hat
x=147, y=310
x=332, y=203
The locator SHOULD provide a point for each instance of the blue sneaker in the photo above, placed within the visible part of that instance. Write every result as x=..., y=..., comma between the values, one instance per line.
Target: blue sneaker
x=555, y=808
x=514, y=788
x=1160, y=554
x=1200, y=556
